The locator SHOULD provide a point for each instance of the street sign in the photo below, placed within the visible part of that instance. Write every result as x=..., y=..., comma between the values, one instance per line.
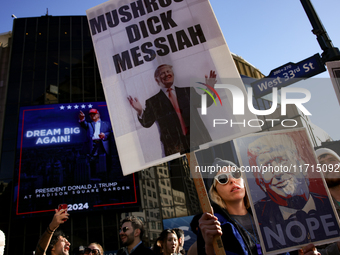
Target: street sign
x=288, y=74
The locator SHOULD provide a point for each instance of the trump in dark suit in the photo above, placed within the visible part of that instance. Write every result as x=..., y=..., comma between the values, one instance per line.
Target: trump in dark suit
x=174, y=109
x=98, y=139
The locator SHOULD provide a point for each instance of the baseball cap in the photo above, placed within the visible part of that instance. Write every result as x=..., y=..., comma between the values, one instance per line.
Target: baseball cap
x=322, y=151
x=218, y=163
x=93, y=111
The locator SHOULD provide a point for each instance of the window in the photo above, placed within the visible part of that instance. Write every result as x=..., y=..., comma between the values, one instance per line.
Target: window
x=164, y=191
x=159, y=225
x=150, y=204
x=154, y=194
x=153, y=225
x=149, y=193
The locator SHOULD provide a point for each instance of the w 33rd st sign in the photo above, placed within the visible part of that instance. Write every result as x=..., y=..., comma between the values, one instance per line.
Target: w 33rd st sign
x=288, y=74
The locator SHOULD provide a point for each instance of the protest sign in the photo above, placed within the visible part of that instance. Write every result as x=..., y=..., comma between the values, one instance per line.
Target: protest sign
x=287, y=190
x=144, y=48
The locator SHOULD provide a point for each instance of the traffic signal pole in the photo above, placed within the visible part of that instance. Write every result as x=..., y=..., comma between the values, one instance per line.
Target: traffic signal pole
x=330, y=53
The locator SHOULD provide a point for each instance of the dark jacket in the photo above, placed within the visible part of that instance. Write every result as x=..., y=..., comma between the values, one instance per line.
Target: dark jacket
x=159, y=109
x=140, y=250
x=235, y=239
x=105, y=128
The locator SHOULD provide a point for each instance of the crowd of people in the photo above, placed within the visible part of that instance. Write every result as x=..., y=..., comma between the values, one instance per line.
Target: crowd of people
x=232, y=220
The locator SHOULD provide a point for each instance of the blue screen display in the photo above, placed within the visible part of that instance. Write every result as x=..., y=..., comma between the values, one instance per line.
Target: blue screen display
x=63, y=160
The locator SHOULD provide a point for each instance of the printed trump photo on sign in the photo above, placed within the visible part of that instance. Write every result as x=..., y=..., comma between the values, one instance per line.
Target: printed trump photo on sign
x=287, y=190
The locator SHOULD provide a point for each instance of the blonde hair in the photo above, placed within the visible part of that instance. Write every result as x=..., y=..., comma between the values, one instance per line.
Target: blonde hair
x=216, y=198
x=99, y=246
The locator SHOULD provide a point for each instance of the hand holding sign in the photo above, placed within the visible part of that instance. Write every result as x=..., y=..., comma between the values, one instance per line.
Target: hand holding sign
x=309, y=249
x=210, y=228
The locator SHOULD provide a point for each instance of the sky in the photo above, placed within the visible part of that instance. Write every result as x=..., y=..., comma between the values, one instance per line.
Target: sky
x=266, y=33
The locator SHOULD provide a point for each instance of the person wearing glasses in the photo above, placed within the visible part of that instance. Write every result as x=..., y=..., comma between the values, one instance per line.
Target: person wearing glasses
x=94, y=249
x=232, y=218
x=131, y=234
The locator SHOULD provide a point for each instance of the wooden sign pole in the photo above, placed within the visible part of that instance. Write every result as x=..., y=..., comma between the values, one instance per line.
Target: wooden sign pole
x=203, y=197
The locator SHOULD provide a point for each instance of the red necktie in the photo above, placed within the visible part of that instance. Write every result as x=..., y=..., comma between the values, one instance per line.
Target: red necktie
x=174, y=103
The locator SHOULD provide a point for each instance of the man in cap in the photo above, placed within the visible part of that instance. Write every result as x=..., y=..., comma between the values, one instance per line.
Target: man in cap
x=131, y=234
x=331, y=160
x=98, y=138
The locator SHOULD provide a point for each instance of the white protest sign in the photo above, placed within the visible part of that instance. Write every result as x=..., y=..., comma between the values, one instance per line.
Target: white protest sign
x=145, y=47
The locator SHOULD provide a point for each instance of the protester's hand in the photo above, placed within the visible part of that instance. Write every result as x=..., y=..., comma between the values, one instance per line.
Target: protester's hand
x=211, y=80
x=59, y=218
x=210, y=227
x=309, y=249
x=101, y=135
x=135, y=105
x=81, y=115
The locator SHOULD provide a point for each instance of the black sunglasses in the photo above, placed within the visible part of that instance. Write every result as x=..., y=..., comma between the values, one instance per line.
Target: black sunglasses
x=223, y=179
x=124, y=229
x=94, y=251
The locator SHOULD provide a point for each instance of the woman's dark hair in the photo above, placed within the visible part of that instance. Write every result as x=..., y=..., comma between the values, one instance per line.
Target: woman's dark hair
x=158, y=245
x=194, y=223
x=54, y=240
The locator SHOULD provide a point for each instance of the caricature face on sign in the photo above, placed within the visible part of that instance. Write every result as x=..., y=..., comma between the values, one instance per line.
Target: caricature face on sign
x=291, y=204
x=282, y=183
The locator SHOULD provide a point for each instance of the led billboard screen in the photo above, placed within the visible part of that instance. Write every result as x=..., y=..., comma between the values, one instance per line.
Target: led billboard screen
x=66, y=153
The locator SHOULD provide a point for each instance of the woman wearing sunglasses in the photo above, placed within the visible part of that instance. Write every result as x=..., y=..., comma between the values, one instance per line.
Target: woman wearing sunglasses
x=94, y=249
x=232, y=219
